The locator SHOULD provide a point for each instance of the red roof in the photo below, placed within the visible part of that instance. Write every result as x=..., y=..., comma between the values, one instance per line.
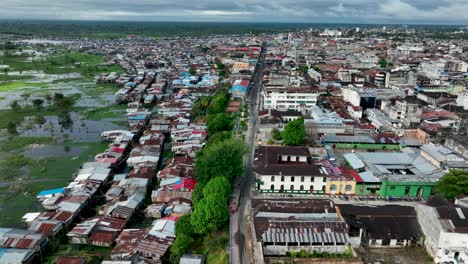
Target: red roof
x=103, y=237
x=186, y=184
x=45, y=228
x=172, y=218
x=350, y=173
x=244, y=83
x=63, y=216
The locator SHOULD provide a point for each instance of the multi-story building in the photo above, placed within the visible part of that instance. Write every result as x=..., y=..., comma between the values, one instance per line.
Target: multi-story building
x=445, y=229
x=456, y=66
x=287, y=170
x=407, y=110
x=283, y=98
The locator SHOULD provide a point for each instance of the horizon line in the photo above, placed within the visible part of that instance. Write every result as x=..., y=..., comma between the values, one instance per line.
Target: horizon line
x=231, y=22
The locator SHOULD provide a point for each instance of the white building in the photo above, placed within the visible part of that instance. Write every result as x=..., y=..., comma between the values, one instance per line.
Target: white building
x=445, y=229
x=282, y=98
x=287, y=170
x=462, y=100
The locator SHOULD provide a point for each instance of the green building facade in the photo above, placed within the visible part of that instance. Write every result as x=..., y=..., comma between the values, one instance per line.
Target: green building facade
x=406, y=189
x=371, y=188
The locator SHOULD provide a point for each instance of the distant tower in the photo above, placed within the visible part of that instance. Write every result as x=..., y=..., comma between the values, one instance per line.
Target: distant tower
x=384, y=28
x=357, y=30
x=289, y=37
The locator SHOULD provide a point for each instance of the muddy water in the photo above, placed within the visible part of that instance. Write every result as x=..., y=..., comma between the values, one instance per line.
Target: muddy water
x=78, y=131
x=38, y=152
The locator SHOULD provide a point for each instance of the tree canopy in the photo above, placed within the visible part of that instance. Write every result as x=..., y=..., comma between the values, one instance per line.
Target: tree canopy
x=183, y=226
x=276, y=134
x=294, y=132
x=453, y=184
x=210, y=214
x=383, y=63
x=222, y=158
x=219, y=136
x=218, y=185
x=218, y=102
x=218, y=122
x=181, y=245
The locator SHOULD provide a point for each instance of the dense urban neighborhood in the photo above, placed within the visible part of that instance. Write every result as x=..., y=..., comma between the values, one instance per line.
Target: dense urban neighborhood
x=338, y=144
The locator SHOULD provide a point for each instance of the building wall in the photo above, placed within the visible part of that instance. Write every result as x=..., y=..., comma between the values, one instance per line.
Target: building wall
x=265, y=183
x=365, y=189
x=430, y=226
x=351, y=96
x=398, y=189
x=437, y=241
x=340, y=187
x=282, y=250
x=453, y=243
x=457, y=147
x=285, y=101
x=394, y=243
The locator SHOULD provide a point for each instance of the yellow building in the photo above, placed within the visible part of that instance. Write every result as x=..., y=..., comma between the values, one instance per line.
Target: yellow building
x=340, y=186
x=344, y=184
x=240, y=65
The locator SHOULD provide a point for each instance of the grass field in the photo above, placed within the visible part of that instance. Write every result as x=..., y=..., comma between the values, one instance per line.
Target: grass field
x=92, y=254
x=15, y=85
x=86, y=64
x=112, y=111
x=98, y=89
x=18, y=143
x=214, y=247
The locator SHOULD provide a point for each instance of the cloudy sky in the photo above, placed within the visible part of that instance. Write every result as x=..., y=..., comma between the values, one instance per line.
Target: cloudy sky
x=340, y=11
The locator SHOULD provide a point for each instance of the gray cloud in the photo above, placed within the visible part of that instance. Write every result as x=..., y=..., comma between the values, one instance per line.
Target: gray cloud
x=353, y=11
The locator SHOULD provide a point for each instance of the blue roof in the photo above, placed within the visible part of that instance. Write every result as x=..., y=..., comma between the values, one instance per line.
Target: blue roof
x=238, y=88
x=52, y=191
x=137, y=117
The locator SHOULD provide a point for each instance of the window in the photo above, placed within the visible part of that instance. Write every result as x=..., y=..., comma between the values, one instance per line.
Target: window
x=292, y=188
x=312, y=179
x=333, y=187
x=292, y=178
x=272, y=178
x=272, y=187
x=348, y=188
x=302, y=179
x=282, y=188
x=392, y=188
x=282, y=178
x=302, y=187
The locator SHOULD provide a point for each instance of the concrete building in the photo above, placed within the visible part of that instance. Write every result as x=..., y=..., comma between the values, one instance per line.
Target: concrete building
x=445, y=227
x=283, y=226
x=386, y=226
x=291, y=98
x=407, y=110
x=287, y=170
x=462, y=100
x=364, y=99
x=456, y=66
x=407, y=174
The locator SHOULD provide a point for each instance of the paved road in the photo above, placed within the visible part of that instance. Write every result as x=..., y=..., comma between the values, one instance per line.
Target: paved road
x=245, y=253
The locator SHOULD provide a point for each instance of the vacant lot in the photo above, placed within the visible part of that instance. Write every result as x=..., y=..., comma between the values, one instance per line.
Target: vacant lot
x=394, y=256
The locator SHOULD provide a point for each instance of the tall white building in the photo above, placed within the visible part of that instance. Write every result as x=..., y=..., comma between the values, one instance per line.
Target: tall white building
x=284, y=98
